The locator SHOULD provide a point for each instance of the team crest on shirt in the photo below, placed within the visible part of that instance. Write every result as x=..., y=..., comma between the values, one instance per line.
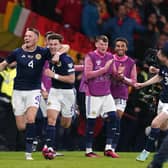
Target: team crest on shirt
x=38, y=56
x=98, y=62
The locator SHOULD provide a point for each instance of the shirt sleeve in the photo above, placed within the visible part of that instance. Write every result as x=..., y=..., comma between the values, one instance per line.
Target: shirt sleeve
x=12, y=57
x=47, y=54
x=69, y=64
x=161, y=71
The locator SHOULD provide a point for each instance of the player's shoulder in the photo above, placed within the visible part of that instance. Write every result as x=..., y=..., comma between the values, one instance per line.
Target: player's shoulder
x=66, y=58
x=43, y=49
x=17, y=50
x=109, y=54
x=131, y=60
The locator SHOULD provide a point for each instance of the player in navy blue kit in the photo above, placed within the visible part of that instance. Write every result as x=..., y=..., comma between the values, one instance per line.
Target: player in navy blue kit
x=27, y=84
x=61, y=95
x=160, y=122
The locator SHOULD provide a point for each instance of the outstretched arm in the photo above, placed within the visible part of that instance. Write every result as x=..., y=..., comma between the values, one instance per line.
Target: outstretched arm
x=79, y=68
x=151, y=81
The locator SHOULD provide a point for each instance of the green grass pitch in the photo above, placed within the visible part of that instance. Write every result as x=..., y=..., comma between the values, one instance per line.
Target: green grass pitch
x=70, y=160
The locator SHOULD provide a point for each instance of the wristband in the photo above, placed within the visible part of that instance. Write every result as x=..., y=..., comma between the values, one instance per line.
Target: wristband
x=56, y=76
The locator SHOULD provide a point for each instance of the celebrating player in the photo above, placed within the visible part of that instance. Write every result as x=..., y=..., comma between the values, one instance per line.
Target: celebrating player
x=99, y=101
x=27, y=84
x=119, y=87
x=61, y=95
x=160, y=121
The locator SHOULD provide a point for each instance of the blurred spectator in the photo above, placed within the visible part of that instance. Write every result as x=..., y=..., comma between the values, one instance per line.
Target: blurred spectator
x=91, y=19
x=154, y=6
x=45, y=8
x=140, y=5
x=70, y=12
x=165, y=28
x=161, y=41
x=150, y=37
x=8, y=128
x=132, y=11
x=123, y=26
x=104, y=15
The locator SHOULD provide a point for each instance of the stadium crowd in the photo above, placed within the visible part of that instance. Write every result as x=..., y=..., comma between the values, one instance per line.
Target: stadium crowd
x=144, y=24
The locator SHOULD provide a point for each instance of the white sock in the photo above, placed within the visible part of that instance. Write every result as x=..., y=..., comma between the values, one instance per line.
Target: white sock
x=89, y=150
x=108, y=147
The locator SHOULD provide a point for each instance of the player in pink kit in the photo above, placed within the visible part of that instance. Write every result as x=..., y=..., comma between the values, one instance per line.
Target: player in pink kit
x=99, y=101
x=126, y=68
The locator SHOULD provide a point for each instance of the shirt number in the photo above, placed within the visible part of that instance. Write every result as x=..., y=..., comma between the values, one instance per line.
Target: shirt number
x=30, y=64
x=166, y=80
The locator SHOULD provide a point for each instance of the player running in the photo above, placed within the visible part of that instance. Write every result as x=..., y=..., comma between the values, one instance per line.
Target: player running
x=119, y=87
x=61, y=95
x=160, y=121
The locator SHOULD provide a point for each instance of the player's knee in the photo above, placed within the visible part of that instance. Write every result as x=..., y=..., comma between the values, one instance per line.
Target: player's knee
x=66, y=123
x=155, y=124
x=21, y=127
x=119, y=113
x=51, y=121
x=30, y=120
x=111, y=116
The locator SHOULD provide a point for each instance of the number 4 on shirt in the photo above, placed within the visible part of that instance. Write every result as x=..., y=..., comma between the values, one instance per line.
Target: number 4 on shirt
x=30, y=64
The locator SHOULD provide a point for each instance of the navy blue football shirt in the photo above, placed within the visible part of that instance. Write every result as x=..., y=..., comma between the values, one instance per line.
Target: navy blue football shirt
x=29, y=67
x=164, y=74
x=64, y=67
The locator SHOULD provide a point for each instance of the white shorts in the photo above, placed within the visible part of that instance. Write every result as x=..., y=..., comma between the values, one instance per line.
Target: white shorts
x=43, y=106
x=62, y=100
x=162, y=107
x=22, y=99
x=120, y=104
x=99, y=105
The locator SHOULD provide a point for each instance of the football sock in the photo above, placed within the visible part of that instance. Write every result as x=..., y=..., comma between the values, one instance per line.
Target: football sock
x=29, y=136
x=117, y=134
x=110, y=123
x=89, y=134
x=50, y=135
x=151, y=139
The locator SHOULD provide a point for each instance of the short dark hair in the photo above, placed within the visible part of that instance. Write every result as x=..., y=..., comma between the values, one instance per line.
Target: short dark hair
x=103, y=38
x=56, y=36
x=33, y=30
x=48, y=33
x=121, y=39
